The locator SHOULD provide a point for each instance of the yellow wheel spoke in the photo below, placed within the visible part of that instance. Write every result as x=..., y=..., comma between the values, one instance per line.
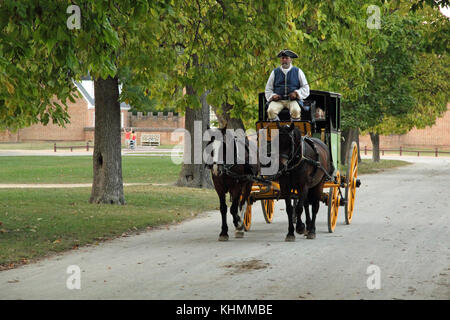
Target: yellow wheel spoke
x=352, y=173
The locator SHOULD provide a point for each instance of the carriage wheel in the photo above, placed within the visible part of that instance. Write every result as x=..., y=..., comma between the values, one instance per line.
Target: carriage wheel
x=350, y=189
x=334, y=198
x=247, y=216
x=268, y=208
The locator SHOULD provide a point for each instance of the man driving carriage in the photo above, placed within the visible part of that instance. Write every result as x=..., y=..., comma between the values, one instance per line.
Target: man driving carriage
x=286, y=88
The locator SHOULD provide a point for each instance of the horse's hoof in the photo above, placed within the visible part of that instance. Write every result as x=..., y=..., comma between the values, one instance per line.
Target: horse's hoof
x=311, y=235
x=239, y=234
x=239, y=225
x=290, y=238
x=300, y=230
x=223, y=238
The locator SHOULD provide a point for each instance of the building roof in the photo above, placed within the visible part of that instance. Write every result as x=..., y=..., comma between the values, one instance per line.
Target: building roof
x=86, y=88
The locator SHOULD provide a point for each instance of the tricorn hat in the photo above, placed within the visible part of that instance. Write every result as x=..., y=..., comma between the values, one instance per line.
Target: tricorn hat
x=287, y=53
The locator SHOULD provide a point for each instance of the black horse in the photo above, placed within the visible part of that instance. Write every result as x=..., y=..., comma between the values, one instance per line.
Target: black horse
x=231, y=178
x=305, y=165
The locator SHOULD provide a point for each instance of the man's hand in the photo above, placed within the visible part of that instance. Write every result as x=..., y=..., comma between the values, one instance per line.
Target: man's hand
x=293, y=95
x=276, y=97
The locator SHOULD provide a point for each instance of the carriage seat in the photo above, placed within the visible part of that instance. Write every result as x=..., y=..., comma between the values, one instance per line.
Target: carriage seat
x=306, y=112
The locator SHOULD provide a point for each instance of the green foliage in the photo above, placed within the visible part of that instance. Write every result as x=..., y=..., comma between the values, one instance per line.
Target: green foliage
x=430, y=89
x=331, y=38
x=160, y=48
x=224, y=47
x=409, y=86
x=419, y=4
x=29, y=59
x=40, y=55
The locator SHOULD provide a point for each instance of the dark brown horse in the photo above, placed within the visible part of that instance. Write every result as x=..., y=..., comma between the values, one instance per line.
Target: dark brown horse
x=305, y=164
x=231, y=178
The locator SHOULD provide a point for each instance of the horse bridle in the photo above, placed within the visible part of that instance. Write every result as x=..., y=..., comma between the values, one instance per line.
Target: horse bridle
x=303, y=158
x=227, y=168
x=293, y=153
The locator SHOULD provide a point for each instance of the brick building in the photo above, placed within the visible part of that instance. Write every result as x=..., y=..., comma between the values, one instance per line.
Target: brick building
x=82, y=123
x=437, y=136
x=82, y=126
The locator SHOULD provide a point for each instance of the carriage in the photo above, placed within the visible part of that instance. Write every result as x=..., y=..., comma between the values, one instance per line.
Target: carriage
x=321, y=119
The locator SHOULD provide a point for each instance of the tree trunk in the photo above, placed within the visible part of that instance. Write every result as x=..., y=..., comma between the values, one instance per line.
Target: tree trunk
x=193, y=174
x=349, y=136
x=107, y=186
x=357, y=142
x=375, y=138
x=225, y=120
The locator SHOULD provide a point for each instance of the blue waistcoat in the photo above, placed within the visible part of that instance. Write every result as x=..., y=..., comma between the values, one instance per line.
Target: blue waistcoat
x=284, y=85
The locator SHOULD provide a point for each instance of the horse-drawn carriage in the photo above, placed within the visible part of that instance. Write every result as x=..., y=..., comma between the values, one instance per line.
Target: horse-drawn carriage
x=320, y=119
x=319, y=134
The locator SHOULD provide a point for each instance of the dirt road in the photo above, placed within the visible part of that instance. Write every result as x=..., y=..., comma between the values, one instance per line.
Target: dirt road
x=400, y=228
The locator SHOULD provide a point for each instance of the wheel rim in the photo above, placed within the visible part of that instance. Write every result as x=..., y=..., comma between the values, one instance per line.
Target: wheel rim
x=352, y=173
x=268, y=209
x=248, y=217
x=334, y=199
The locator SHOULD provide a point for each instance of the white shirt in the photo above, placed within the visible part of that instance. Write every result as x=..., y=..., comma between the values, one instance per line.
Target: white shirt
x=303, y=92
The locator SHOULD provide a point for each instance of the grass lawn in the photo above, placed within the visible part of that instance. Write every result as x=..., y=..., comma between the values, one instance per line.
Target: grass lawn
x=169, y=146
x=78, y=169
x=36, y=222
x=368, y=166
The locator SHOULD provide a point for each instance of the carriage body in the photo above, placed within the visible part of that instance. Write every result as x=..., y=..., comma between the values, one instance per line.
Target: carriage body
x=320, y=118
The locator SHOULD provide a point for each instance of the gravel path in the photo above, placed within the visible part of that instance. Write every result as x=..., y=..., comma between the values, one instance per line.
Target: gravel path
x=400, y=227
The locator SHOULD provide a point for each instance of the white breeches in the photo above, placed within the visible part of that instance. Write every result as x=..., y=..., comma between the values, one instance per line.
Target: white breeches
x=276, y=106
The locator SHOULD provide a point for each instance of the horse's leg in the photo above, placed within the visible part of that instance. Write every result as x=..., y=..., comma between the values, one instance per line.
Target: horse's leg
x=308, y=218
x=246, y=190
x=302, y=203
x=315, y=202
x=223, y=211
x=235, y=206
x=312, y=228
x=300, y=226
x=289, y=209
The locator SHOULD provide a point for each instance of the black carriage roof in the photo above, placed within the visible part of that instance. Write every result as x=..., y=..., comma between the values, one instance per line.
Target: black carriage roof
x=326, y=93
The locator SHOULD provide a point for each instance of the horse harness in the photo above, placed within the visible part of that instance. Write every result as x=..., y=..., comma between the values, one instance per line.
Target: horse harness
x=227, y=168
x=302, y=158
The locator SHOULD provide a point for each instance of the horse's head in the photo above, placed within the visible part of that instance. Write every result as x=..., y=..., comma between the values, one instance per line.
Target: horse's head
x=289, y=135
